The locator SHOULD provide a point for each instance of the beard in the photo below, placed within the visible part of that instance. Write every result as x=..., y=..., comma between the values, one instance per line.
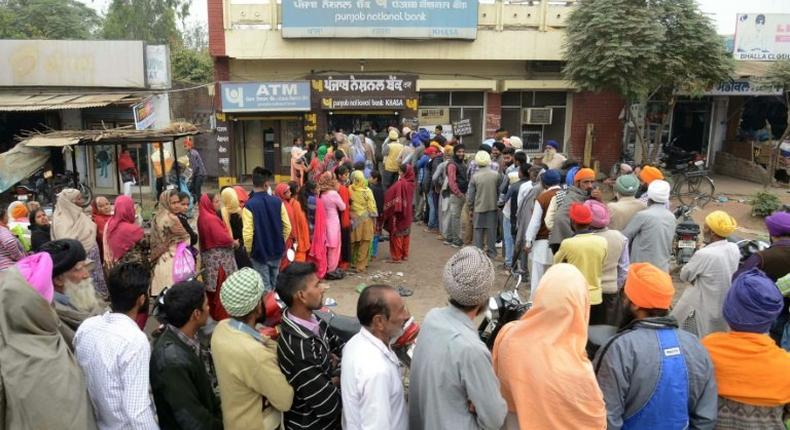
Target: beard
x=83, y=296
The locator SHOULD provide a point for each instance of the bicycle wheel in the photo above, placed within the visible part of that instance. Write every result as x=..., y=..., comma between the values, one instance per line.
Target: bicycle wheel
x=695, y=190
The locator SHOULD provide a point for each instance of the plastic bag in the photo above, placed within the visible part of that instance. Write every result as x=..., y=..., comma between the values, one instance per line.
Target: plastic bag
x=183, y=263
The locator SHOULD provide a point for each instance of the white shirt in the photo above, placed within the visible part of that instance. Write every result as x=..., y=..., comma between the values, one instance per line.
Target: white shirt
x=371, y=385
x=114, y=354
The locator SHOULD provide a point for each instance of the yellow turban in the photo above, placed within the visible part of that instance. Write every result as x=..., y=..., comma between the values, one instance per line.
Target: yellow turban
x=721, y=223
x=482, y=158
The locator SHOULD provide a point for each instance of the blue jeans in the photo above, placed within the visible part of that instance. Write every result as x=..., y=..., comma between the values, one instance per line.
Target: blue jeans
x=268, y=271
x=508, y=241
x=433, y=214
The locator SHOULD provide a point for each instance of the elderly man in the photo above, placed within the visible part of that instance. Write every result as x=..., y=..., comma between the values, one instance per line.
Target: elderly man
x=652, y=375
x=557, y=218
x=453, y=384
x=75, y=298
x=652, y=230
x=482, y=199
x=626, y=205
x=586, y=251
x=551, y=156
x=371, y=386
x=615, y=266
x=710, y=271
x=752, y=373
x=41, y=385
x=253, y=390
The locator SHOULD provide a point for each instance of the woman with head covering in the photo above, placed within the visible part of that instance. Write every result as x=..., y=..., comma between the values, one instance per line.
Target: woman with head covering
x=41, y=384
x=363, y=214
x=298, y=164
x=70, y=222
x=101, y=211
x=541, y=361
x=166, y=233
x=124, y=240
x=242, y=195
x=752, y=372
x=398, y=214
x=298, y=218
x=39, y=229
x=231, y=216
x=710, y=272
x=216, y=250
x=283, y=192
x=329, y=232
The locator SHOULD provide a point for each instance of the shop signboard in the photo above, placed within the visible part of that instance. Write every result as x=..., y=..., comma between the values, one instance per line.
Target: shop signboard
x=293, y=96
x=402, y=19
x=762, y=37
x=743, y=87
x=144, y=114
x=434, y=116
x=157, y=67
x=463, y=127
x=366, y=92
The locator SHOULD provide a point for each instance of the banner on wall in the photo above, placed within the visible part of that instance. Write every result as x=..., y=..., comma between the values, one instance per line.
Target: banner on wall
x=403, y=19
x=762, y=37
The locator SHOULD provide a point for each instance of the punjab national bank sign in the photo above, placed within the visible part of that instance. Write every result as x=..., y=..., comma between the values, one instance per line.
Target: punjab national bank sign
x=390, y=92
x=403, y=19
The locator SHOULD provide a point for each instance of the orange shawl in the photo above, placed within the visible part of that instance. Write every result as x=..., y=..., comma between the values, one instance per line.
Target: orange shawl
x=541, y=362
x=300, y=226
x=750, y=368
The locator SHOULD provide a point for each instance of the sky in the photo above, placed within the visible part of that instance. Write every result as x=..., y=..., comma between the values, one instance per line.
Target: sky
x=722, y=11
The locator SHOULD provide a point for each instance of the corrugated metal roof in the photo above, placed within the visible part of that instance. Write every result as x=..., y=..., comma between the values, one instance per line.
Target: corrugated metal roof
x=56, y=101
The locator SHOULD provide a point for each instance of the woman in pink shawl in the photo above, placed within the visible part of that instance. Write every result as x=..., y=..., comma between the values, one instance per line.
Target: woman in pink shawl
x=398, y=214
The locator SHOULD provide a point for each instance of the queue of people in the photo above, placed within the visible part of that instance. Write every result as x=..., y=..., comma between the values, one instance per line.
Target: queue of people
x=79, y=299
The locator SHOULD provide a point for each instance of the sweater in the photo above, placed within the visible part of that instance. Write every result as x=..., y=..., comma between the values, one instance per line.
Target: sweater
x=252, y=387
x=615, y=266
x=622, y=211
x=181, y=387
x=483, y=191
x=265, y=221
x=587, y=252
x=306, y=361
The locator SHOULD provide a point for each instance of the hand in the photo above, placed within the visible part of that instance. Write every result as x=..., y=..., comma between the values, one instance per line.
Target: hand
x=471, y=407
x=336, y=381
x=236, y=243
x=596, y=194
x=528, y=249
x=335, y=360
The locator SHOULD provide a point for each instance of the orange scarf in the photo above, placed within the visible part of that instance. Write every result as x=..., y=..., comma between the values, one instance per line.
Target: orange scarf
x=750, y=368
x=300, y=226
x=541, y=362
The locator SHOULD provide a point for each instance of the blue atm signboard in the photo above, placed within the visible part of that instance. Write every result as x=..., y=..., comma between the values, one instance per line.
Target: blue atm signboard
x=399, y=19
x=265, y=96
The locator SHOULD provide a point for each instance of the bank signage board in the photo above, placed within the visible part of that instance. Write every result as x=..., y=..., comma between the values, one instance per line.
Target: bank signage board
x=358, y=92
x=762, y=37
x=290, y=96
x=402, y=19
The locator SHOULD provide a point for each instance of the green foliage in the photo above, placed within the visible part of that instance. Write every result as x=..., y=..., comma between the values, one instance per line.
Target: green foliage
x=636, y=47
x=779, y=75
x=47, y=19
x=153, y=21
x=190, y=65
x=765, y=204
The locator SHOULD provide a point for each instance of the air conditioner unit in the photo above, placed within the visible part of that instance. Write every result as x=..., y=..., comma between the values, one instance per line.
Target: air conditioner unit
x=537, y=116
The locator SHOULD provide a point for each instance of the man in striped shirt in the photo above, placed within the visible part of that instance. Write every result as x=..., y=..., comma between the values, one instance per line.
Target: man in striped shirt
x=308, y=352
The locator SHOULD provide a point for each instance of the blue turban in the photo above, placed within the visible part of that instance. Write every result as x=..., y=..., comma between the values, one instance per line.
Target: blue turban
x=551, y=177
x=571, y=174
x=553, y=144
x=753, y=302
x=422, y=136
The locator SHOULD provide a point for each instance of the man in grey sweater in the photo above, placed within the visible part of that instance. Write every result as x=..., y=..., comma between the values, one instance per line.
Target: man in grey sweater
x=482, y=199
x=453, y=384
x=651, y=230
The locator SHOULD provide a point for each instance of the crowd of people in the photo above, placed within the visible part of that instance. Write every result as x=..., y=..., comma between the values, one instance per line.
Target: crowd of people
x=76, y=294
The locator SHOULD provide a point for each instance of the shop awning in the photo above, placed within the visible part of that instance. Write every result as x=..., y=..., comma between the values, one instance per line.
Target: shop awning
x=28, y=102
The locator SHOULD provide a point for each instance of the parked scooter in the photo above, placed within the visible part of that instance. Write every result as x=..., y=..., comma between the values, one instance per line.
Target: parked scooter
x=687, y=234
x=344, y=327
x=748, y=247
x=504, y=307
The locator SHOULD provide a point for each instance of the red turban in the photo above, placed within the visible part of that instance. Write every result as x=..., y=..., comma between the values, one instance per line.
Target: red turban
x=580, y=214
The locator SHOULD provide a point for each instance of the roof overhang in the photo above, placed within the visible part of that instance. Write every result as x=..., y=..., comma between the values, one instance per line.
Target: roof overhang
x=29, y=102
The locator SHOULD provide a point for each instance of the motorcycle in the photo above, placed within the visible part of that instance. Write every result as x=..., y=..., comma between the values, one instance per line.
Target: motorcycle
x=504, y=307
x=44, y=186
x=748, y=247
x=344, y=327
x=686, y=235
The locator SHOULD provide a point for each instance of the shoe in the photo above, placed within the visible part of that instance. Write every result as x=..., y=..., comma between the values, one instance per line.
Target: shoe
x=447, y=242
x=498, y=244
x=457, y=245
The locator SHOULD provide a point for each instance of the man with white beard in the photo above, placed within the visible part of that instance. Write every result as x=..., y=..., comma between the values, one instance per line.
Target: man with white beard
x=75, y=298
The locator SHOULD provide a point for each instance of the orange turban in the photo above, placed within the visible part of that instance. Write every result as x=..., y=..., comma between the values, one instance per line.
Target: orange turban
x=650, y=174
x=584, y=174
x=649, y=287
x=17, y=210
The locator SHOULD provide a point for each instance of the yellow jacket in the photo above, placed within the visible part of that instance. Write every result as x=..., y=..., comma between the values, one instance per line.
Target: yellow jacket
x=392, y=160
x=587, y=252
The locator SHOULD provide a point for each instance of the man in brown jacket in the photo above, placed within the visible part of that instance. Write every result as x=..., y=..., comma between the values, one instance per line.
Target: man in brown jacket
x=626, y=205
x=482, y=199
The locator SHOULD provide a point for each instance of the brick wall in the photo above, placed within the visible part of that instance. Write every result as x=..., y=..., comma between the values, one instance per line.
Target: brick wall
x=603, y=110
x=493, y=113
x=216, y=29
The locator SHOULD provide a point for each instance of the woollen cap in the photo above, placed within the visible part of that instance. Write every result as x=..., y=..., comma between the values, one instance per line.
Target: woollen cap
x=468, y=276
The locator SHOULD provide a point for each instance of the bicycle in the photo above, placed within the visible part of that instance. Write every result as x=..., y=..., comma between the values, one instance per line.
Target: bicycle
x=691, y=184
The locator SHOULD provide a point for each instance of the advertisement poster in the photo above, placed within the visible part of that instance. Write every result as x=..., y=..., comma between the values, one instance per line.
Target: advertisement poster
x=762, y=37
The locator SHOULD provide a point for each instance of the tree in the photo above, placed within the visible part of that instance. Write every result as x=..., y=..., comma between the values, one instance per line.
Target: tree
x=190, y=65
x=47, y=19
x=153, y=21
x=644, y=50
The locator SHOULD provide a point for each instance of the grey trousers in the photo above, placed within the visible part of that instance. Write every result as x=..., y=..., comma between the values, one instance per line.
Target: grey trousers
x=486, y=227
x=454, y=230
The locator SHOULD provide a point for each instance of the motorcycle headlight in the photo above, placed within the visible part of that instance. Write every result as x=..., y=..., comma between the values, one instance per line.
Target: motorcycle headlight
x=492, y=312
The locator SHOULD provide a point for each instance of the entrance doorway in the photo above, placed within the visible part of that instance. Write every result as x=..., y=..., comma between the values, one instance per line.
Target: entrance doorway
x=690, y=125
x=351, y=122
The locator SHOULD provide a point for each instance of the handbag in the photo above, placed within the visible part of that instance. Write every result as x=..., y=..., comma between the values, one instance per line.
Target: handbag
x=183, y=263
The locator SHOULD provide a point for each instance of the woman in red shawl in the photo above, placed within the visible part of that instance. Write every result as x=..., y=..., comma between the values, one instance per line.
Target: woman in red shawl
x=101, y=211
x=216, y=251
x=398, y=215
x=124, y=240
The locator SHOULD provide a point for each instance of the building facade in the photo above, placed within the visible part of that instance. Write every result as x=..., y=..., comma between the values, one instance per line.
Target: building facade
x=376, y=63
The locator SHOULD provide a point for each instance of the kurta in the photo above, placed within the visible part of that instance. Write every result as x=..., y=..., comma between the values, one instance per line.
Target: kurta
x=710, y=270
x=650, y=233
x=333, y=206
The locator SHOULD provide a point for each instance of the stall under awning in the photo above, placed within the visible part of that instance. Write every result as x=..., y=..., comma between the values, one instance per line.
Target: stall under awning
x=29, y=102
